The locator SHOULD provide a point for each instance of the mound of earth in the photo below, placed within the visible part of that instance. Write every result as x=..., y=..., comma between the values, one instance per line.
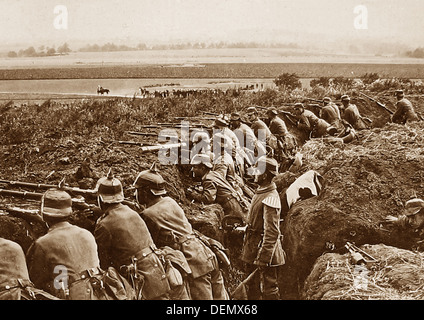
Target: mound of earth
x=364, y=181
x=396, y=275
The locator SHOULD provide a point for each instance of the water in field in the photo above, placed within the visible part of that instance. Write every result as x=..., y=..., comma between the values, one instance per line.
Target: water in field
x=125, y=87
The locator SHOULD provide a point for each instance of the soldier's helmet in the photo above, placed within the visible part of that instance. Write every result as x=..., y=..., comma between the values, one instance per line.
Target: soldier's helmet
x=272, y=111
x=56, y=203
x=251, y=110
x=109, y=189
x=413, y=206
x=152, y=180
x=327, y=99
x=266, y=164
x=345, y=97
x=202, y=159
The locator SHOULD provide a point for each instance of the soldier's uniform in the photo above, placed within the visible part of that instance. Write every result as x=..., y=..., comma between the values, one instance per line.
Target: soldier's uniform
x=169, y=227
x=286, y=142
x=14, y=278
x=125, y=242
x=311, y=124
x=247, y=139
x=352, y=116
x=404, y=110
x=216, y=189
x=330, y=112
x=60, y=261
x=261, y=130
x=263, y=240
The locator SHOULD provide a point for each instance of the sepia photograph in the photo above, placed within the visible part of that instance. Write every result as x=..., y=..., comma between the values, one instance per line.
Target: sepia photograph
x=223, y=151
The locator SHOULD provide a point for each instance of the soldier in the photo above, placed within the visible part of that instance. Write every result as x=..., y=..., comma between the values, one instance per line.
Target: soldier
x=261, y=130
x=125, y=242
x=216, y=188
x=14, y=278
x=224, y=163
x=313, y=126
x=63, y=261
x=351, y=114
x=405, y=112
x=286, y=142
x=234, y=147
x=330, y=112
x=169, y=227
x=412, y=217
x=262, y=248
x=247, y=138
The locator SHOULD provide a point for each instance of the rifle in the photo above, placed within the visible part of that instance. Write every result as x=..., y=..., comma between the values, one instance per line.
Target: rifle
x=20, y=184
x=162, y=147
x=133, y=143
x=359, y=255
x=211, y=113
x=31, y=215
x=148, y=134
x=196, y=118
x=378, y=103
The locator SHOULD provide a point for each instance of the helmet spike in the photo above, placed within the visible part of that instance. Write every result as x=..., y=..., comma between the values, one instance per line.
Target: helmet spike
x=110, y=174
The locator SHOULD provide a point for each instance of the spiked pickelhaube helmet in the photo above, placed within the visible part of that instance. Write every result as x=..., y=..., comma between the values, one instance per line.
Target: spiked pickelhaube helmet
x=109, y=189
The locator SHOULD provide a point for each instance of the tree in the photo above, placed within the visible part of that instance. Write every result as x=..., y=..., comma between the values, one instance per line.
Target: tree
x=63, y=49
x=12, y=54
x=288, y=81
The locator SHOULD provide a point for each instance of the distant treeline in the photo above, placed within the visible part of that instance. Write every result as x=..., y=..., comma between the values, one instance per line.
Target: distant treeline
x=42, y=51
x=417, y=53
x=108, y=47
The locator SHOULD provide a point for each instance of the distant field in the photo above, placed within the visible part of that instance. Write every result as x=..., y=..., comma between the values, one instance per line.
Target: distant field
x=207, y=64
x=214, y=71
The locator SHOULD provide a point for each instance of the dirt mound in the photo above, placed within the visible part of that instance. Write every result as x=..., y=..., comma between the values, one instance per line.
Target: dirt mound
x=396, y=275
x=365, y=181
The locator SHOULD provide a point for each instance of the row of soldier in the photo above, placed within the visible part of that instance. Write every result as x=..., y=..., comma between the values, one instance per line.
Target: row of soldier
x=155, y=253
x=152, y=254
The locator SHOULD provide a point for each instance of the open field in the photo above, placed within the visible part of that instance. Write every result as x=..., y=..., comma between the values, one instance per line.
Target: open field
x=207, y=63
x=215, y=71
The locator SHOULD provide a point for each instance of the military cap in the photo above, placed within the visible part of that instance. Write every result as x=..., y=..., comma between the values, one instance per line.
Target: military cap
x=298, y=105
x=272, y=110
x=199, y=136
x=202, y=159
x=221, y=121
x=235, y=116
x=413, y=206
x=152, y=180
x=251, y=110
x=327, y=99
x=56, y=203
x=399, y=91
x=269, y=164
x=345, y=97
x=110, y=189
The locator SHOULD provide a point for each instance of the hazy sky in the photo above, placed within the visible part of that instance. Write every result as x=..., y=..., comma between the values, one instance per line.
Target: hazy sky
x=32, y=21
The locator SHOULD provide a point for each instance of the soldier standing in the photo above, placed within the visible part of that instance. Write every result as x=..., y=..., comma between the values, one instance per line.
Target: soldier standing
x=125, y=242
x=169, y=227
x=286, y=142
x=62, y=261
x=262, y=248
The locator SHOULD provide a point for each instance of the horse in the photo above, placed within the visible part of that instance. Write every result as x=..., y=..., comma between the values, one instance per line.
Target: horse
x=101, y=90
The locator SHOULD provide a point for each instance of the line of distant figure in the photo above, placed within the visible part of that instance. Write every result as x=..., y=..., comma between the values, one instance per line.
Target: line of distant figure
x=183, y=93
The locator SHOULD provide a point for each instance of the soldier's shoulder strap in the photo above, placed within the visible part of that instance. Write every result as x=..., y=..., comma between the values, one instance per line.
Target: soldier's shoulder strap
x=272, y=201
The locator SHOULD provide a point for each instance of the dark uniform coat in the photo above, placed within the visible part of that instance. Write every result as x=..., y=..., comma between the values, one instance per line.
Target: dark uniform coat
x=405, y=112
x=63, y=253
x=121, y=235
x=169, y=227
x=216, y=189
x=12, y=267
x=262, y=242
